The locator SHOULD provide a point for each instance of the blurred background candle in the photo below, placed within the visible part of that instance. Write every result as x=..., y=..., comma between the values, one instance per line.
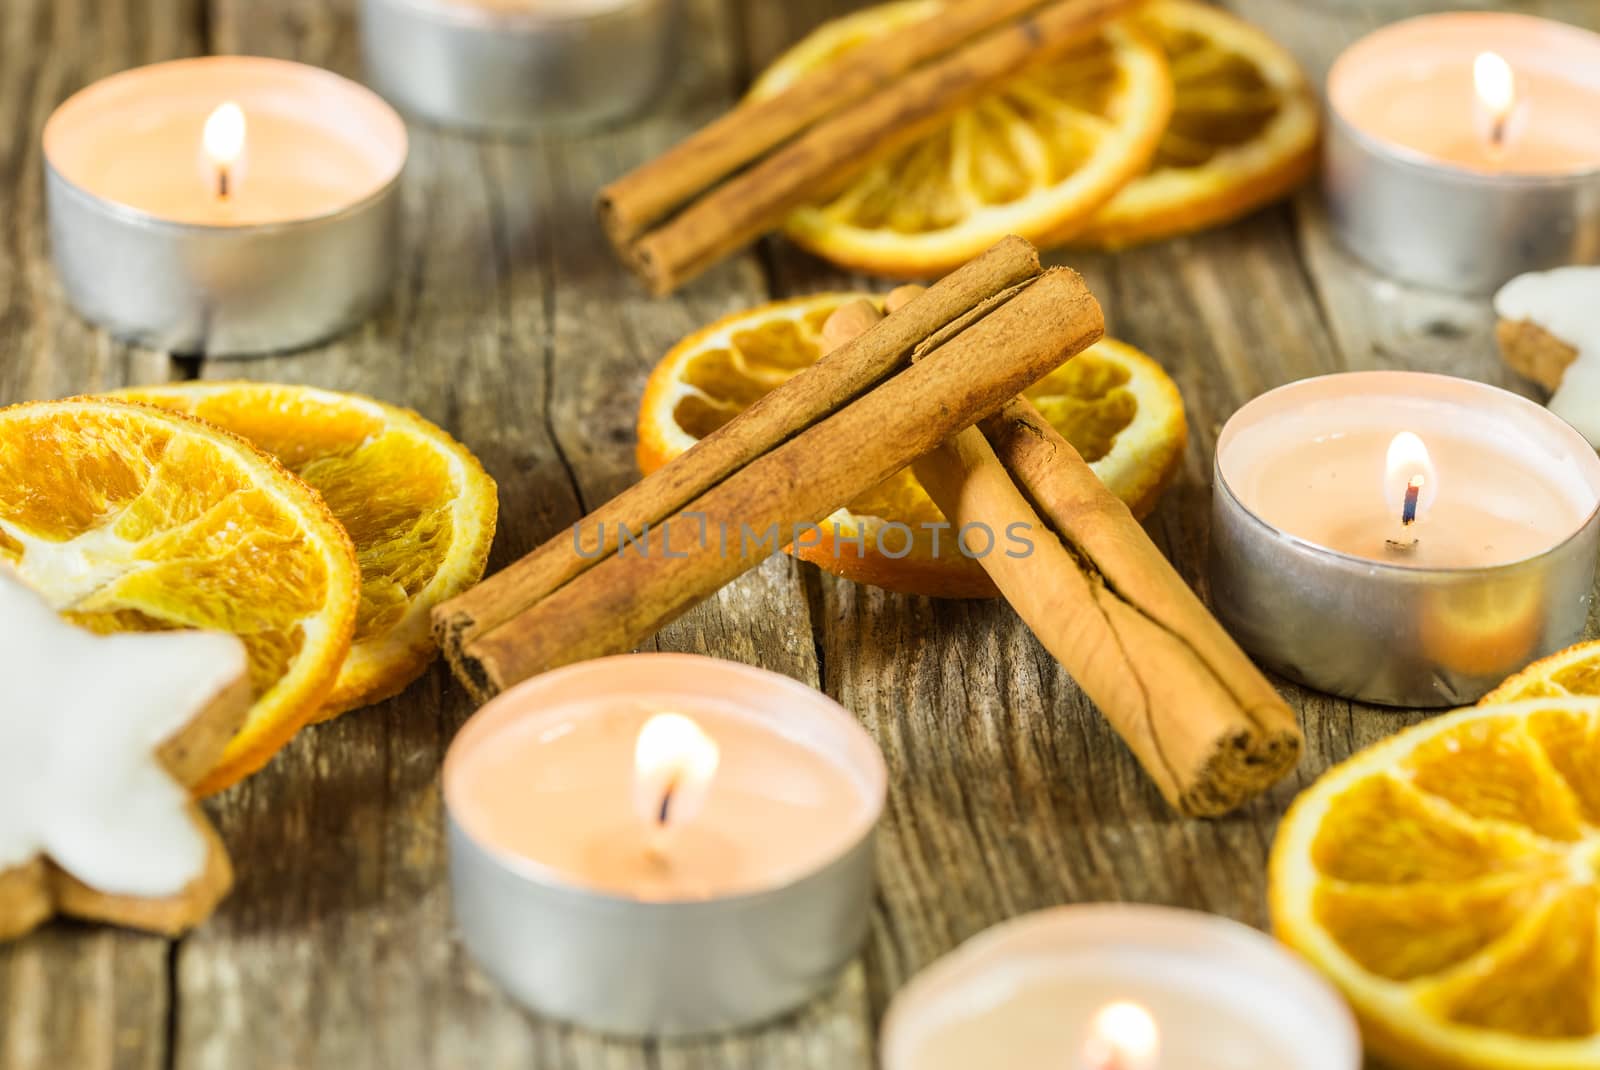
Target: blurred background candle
x=1110, y=987
x=224, y=205
x=1462, y=148
x=1317, y=572
x=661, y=843
x=517, y=66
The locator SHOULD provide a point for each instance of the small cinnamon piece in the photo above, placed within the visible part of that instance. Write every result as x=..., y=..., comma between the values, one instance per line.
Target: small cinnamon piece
x=1200, y=717
x=825, y=154
x=1101, y=597
x=818, y=392
x=964, y=374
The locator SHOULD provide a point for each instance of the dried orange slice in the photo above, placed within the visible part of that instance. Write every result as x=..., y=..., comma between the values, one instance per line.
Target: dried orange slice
x=1035, y=158
x=417, y=503
x=1445, y=879
x=1115, y=404
x=129, y=518
x=1243, y=130
x=1573, y=671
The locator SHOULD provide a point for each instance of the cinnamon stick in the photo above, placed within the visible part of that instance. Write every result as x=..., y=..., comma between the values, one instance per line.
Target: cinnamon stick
x=1200, y=717
x=821, y=158
x=805, y=399
x=645, y=196
x=964, y=376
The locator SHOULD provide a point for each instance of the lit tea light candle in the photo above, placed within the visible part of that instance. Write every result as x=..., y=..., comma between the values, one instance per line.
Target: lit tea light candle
x=282, y=233
x=1462, y=148
x=1402, y=538
x=1107, y=987
x=663, y=844
x=515, y=66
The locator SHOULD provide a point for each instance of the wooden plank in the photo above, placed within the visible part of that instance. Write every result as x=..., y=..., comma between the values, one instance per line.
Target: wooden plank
x=71, y=995
x=514, y=327
x=50, y=50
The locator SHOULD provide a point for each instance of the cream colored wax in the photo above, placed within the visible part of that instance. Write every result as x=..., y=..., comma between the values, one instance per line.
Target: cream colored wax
x=1041, y=1022
x=556, y=788
x=315, y=144
x=1411, y=85
x=1491, y=508
x=1507, y=484
x=1032, y=994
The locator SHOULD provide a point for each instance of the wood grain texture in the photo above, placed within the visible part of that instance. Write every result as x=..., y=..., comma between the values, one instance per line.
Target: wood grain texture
x=71, y=995
x=512, y=325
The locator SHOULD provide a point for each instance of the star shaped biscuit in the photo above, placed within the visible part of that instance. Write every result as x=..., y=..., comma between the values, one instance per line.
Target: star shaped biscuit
x=100, y=737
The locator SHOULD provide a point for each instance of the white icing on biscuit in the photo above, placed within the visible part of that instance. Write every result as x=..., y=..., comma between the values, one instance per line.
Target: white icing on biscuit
x=1566, y=303
x=81, y=719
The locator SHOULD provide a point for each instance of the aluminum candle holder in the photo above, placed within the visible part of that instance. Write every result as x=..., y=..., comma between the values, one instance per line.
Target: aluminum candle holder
x=1454, y=230
x=489, y=65
x=1383, y=632
x=1426, y=220
x=138, y=253
x=635, y=966
x=1025, y=994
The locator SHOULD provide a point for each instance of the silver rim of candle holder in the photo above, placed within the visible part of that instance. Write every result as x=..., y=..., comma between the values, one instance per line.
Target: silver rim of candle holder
x=1391, y=635
x=221, y=291
x=632, y=968
x=636, y=968
x=509, y=72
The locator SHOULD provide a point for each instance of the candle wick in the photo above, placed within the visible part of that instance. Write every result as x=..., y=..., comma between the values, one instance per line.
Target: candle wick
x=223, y=184
x=665, y=812
x=1497, y=133
x=1408, y=514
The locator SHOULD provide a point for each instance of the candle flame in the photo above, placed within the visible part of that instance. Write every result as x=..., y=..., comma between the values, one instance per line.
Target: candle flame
x=1496, y=84
x=224, y=134
x=1410, y=483
x=673, y=763
x=223, y=141
x=1122, y=1036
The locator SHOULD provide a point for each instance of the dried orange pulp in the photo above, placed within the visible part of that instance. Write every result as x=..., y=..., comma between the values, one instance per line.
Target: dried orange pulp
x=1573, y=671
x=418, y=505
x=130, y=518
x=1037, y=157
x=1243, y=131
x=1445, y=879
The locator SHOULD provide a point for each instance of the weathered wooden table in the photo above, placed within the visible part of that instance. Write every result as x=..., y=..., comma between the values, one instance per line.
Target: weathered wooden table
x=512, y=326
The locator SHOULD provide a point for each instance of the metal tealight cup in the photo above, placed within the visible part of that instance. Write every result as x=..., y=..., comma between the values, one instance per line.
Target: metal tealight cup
x=1428, y=221
x=1386, y=633
x=491, y=68
x=633, y=967
x=226, y=289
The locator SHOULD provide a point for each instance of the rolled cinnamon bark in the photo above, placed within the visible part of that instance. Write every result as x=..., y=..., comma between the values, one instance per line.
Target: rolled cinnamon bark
x=1200, y=717
x=821, y=158
x=632, y=593
x=815, y=393
x=645, y=196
